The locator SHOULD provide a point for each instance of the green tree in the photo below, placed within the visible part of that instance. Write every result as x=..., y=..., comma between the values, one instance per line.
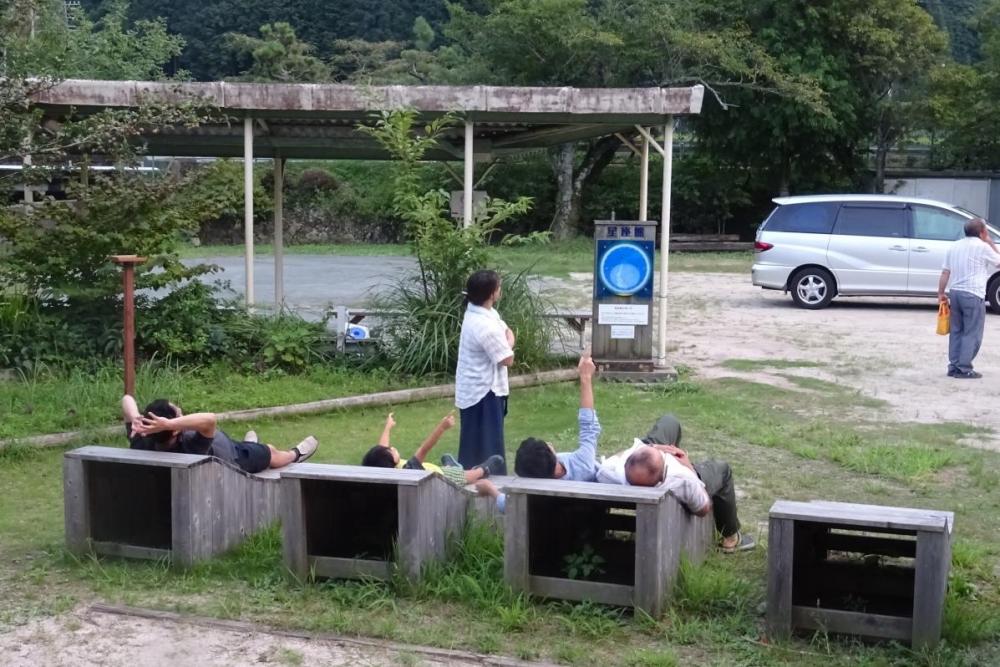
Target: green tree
x=278, y=56
x=862, y=54
x=618, y=43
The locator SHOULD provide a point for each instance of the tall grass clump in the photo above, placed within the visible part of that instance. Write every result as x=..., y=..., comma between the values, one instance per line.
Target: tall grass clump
x=423, y=338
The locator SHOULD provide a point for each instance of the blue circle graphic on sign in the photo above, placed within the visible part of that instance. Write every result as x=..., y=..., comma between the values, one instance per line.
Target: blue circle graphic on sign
x=625, y=269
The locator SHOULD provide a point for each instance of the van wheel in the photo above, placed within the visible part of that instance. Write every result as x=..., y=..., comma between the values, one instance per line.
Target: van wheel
x=812, y=288
x=993, y=294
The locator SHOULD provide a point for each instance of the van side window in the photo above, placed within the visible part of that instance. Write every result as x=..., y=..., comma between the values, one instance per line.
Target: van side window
x=871, y=221
x=937, y=224
x=814, y=218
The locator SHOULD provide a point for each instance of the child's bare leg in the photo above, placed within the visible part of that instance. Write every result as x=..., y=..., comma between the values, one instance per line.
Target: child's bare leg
x=474, y=475
x=300, y=452
x=281, y=458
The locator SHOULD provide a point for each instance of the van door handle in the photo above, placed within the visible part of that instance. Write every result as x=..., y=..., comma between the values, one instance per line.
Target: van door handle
x=897, y=247
x=921, y=248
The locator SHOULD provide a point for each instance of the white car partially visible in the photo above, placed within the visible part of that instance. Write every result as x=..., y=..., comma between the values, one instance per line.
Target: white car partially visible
x=822, y=246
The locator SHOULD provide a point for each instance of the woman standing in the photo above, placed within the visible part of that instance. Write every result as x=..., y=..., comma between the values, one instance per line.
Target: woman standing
x=485, y=352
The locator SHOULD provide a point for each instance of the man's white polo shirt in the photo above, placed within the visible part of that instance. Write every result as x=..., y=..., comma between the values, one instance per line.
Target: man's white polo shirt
x=481, y=348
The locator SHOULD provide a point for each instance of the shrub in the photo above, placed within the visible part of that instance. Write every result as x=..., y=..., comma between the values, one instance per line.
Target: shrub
x=425, y=338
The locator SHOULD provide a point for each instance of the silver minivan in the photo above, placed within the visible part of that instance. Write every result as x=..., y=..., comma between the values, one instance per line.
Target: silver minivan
x=822, y=246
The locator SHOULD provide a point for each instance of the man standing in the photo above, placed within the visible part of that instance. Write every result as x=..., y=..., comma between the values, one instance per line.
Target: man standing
x=967, y=268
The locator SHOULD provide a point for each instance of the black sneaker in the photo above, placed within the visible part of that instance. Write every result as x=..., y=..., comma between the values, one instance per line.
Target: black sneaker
x=952, y=372
x=492, y=466
x=968, y=375
x=448, y=461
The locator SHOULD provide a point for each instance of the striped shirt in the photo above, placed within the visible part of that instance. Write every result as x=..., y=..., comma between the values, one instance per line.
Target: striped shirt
x=481, y=348
x=971, y=262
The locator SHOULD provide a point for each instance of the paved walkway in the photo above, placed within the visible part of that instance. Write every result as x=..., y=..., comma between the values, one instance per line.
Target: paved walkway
x=313, y=282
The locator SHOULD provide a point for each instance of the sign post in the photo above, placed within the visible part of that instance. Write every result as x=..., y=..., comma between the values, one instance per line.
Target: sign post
x=128, y=264
x=622, y=341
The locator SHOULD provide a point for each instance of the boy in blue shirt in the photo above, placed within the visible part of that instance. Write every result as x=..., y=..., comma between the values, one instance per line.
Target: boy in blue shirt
x=537, y=458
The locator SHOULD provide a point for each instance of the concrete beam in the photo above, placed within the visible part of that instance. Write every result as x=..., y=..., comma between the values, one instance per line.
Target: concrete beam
x=325, y=100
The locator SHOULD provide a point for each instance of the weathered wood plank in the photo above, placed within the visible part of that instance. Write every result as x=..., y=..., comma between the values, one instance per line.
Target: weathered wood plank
x=414, y=537
x=293, y=528
x=573, y=589
x=871, y=516
x=586, y=490
x=851, y=623
x=129, y=551
x=372, y=475
x=349, y=568
x=657, y=553
x=76, y=505
x=515, y=547
x=698, y=536
x=147, y=458
x=781, y=539
x=932, y=565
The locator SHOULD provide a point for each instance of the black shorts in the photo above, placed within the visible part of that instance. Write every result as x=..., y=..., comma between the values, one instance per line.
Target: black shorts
x=252, y=457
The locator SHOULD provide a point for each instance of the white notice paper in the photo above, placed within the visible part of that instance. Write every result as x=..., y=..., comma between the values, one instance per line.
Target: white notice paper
x=623, y=331
x=622, y=313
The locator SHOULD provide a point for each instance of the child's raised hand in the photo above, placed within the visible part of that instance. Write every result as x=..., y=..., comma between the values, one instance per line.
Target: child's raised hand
x=449, y=420
x=390, y=420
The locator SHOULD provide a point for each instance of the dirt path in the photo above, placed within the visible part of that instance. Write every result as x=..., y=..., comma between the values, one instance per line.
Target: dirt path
x=884, y=348
x=88, y=637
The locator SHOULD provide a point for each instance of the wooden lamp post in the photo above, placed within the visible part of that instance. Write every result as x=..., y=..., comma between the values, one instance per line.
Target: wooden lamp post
x=128, y=264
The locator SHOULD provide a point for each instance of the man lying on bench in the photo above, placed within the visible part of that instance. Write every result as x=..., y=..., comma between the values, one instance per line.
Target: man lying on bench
x=163, y=427
x=656, y=460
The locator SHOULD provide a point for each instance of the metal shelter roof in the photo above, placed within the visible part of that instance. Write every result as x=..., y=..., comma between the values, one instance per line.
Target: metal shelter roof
x=318, y=121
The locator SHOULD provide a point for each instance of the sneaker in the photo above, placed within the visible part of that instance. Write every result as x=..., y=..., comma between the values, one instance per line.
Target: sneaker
x=952, y=372
x=743, y=543
x=967, y=375
x=492, y=466
x=448, y=461
x=305, y=449
x=251, y=436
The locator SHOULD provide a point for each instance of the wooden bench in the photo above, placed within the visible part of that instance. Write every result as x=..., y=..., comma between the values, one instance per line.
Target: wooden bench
x=708, y=243
x=853, y=569
x=352, y=521
x=639, y=533
x=143, y=504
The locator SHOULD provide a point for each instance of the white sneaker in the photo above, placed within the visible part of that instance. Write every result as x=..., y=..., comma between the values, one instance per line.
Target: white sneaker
x=305, y=449
x=251, y=436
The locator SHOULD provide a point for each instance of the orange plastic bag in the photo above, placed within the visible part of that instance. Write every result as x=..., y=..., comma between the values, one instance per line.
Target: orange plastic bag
x=944, y=319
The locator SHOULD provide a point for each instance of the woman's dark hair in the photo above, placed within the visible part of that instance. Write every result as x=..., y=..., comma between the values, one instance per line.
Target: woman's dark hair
x=379, y=457
x=161, y=407
x=534, y=458
x=481, y=286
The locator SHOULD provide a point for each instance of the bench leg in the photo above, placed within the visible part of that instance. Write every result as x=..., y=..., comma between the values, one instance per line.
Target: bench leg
x=76, y=506
x=515, y=548
x=930, y=586
x=780, y=547
x=293, y=527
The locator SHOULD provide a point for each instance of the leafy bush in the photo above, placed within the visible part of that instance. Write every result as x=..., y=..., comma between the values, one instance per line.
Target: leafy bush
x=424, y=339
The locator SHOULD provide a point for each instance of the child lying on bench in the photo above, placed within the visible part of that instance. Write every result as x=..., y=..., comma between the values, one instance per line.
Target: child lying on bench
x=384, y=455
x=164, y=427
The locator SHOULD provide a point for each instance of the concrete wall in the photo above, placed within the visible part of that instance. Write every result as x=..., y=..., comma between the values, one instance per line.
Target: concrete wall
x=973, y=194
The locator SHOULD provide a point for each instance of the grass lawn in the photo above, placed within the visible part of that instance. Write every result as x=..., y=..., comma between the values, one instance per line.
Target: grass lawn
x=78, y=400
x=554, y=259
x=716, y=616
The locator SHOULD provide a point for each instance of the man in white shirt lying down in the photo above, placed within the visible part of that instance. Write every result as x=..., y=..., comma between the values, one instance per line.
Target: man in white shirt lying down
x=656, y=460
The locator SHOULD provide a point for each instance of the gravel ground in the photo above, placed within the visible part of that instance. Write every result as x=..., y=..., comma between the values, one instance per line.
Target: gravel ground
x=883, y=348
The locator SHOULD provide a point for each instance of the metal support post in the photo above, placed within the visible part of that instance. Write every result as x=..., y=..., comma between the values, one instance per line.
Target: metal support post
x=248, y=208
x=668, y=166
x=469, y=175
